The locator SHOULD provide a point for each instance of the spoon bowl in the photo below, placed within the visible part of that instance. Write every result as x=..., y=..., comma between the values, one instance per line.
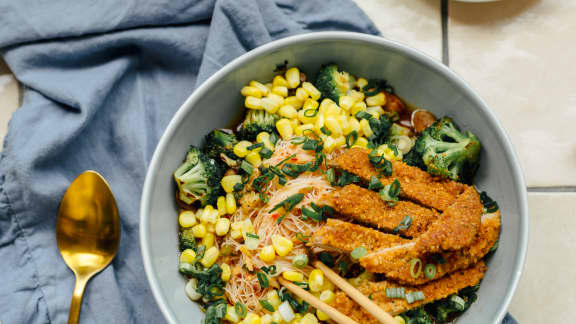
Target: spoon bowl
x=87, y=231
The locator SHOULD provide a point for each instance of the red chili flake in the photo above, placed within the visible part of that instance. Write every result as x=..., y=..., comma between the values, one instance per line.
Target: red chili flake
x=294, y=159
x=275, y=216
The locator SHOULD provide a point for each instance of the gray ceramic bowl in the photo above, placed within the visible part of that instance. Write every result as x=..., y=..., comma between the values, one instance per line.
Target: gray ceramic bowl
x=416, y=77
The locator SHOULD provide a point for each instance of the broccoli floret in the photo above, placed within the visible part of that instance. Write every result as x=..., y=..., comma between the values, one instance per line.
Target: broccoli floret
x=219, y=145
x=257, y=121
x=417, y=316
x=187, y=239
x=443, y=150
x=333, y=82
x=198, y=178
x=447, y=309
x=380, y=127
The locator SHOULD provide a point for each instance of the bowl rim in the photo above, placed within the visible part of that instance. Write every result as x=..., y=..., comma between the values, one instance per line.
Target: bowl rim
x=415, y=54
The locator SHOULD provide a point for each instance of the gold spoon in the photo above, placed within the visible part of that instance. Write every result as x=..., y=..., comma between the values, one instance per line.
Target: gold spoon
x=87, y=231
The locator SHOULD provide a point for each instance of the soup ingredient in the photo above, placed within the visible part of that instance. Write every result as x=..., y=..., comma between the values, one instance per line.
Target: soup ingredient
x=333, y=82
x=219, y=145
x=198, y=178
x=447, y=152
x=257, y=121
x=187, y=239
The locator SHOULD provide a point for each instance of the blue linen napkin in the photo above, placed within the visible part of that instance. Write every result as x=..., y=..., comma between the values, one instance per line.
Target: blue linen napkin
x=101, y=81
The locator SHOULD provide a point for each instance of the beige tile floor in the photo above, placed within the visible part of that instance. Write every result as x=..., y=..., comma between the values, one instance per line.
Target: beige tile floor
x=520, y=51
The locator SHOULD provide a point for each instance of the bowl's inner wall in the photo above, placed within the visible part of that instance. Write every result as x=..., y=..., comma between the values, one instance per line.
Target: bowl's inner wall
x=413, y=80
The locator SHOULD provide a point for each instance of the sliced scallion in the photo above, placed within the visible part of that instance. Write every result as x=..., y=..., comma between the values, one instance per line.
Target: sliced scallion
x=247, y=167
x=414, y=296
x=240, y=310
x=458, y=302
x=300, y=261
x=266, y=305
x=395, y=292
x=430, y=271
x=325, y=131
x=262, y=279
x=374, y=183
x=358, y=252
x=415, y=268
x=404, y=224
x=254, y=146
x=266, y=153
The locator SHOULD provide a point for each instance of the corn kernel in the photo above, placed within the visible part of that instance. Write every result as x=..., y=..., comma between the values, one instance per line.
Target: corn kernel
x=273, y=298
x=319, y=123
x=241, y=148
x=301, y=94
x=288, y=111
x=199, y=230
x=280, y=90
x=322, y=316
x=262, y=137
x=328, y=285
x=339, y=141
x=316, y=280
x=365, y=128
x=359, y=96
x=358, y=107
x=361, y=83
x=327, y=296
x=203, y=213
x=266, y=319
x=310, y=104
x=222, y=226
x=210, y=228
x=329, y=144
x=346, y=102
x=253, y=103
x=236, y=234
x=263, y=89
x=277, y=317
x=279, y=81
x=293, y=77
x=311, y=90
x=272, y=102
x=332, y=110
x=249, y=91
x=352, y=125
x=209, y=215
x=333, y=126
x=295, y=123
x=221, y=205
x=267, y=254
x=282, y=245
x=285, y=128
x=299, y=131
x=376, y=100
x=231, y=314
x=297, y=318
x=376, y=109
x=293, y=276
x=210, y=256
x=254, y=158
x=208, y=240
x=304, y=116
x=188, y=256
x=400, y=319
x=294, y=102
x=246, y=227
x=309, y=318
x=230, y=203
x=361, y=142
x=252, y=318
x=187, y=218
x=228, y=182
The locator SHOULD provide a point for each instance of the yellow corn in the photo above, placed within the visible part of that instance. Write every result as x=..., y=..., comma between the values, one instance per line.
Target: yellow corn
x=208, y=240
x=262, y=137
x=305, y=119
x=282, y=245
x=273, y=298
x=209, y=215
x=359, y=96
x=226, y=272
x=399, y=319
x=199, y=230
x=327, y=296
x=249, y=91
x=375, y=109
x=328, y=285
x=358, y=106
x=221, y=205
x=365, y=128
x=253, y=103
x=352, y=125
x=222, y=226
x=187, y=218
x=311, y=90
x=310, y=104
x=376, y=100
x=277, y=317
x=332, y=110
x=285, y=128
x=333, y=126
x=339, y=141
x=299, y=131
x=288, y=111
x=254, y=158
x=309, y=318
x=279, y=81
x=272, y=102
x=210, y=256
x=241, y=148
x=188, y=256
x=210, y=228
x=361, y=83
x=361, y=142
x=280, y=90
x=346, y=102
x=246, y=226
x=294, y=102
x=319, y=123
x=263, y=89
x=293, y=77
x=266, y=319
x=295, y=123
x=204, y=213
x=329, y=144
x=236, y=234
x=316, y=280
x=301, y=94
x=251, y=318
x=267, y=254
x=231, y=314
x=292, y=276
x=297, y=317
x=322, y=316
x=228, y=182
x=230, y=203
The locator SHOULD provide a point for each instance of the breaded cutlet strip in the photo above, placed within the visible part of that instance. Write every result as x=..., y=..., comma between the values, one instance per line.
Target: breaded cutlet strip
x=366, y=206
x=395, y=263
x=417, y=185
x=433, y=291
x=345, y=237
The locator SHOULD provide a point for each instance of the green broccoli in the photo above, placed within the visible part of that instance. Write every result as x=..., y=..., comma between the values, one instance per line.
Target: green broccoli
x=219, y=145
x=198, y=178
x=257, y=121
x=187, y=239
x=443, y=150
x=417, y=316
x=333, y=82
x=447, y=309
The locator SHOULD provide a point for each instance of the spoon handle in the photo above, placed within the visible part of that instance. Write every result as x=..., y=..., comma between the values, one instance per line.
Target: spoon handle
x=76, y=304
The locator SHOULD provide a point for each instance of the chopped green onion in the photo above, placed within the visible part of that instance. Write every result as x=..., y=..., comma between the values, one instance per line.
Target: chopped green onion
x=300, y=261
x=458, y=302
x=247, y=167
x=363, y=115
x=494, y=247
x=331, y=175
x=326, y=258
x=391, y=192
x=395, y=292
x=302, y=238
x=287, y=204
x=273, y=138
x=374, y=184
x=271, y=270
x=282, y=180
x=239, y=186
x=310, y=145
x=310, y=112
x=325, y=131
x=240, y=310
x=343, y=267
x=351, y=139
x=254, y=146
x=266, y=305
x=302, y=284
x=312, y=214
x=415, y=267
x=414, y=296
x=266, y=153
x=298, y=140
x=252, y=235
x=358, y=252
x=430, y=271
x=262, y=279
x=404, y=224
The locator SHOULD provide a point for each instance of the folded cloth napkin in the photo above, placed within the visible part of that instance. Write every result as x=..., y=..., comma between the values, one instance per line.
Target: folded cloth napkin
x=101, y=81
